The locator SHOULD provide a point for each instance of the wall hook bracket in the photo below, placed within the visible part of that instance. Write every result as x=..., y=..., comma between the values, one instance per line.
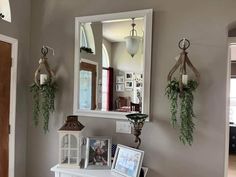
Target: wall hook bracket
x=44, y=63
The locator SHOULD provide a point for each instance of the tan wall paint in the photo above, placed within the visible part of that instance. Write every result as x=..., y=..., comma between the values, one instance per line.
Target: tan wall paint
x=20, y=29
x=204, y=23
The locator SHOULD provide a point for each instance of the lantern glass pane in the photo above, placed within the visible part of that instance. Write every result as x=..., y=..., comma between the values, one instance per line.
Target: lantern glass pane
x=64, y=156
x=73, y=141
x=65, y=141
x=73, y=157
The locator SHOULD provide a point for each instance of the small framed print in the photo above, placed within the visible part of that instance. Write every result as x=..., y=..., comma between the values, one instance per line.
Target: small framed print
x=129, y=76
x=120, y=87
x=120, y=79
x=127, y=161
x=138, y=84
x=98, y=153
x=129, y=84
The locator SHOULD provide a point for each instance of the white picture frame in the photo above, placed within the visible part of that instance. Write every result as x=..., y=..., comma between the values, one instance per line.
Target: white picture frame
x=129, y=84
x=120, y=87
x=129, y=76
x=98, y=153
x=120, y=79
x=127, y=161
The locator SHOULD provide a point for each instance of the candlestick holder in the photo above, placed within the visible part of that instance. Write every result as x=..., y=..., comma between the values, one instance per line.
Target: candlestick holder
x=137, y=121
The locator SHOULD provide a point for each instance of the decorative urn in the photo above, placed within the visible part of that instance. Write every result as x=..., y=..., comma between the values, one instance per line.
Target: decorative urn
x=70, y=142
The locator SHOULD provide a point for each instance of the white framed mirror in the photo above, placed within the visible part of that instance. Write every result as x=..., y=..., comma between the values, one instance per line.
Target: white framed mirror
x=112, y=66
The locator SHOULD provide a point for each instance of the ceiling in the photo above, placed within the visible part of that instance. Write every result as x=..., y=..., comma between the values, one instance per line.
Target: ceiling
x=116, y=31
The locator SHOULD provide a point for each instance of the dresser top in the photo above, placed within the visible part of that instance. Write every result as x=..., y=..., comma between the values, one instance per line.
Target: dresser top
x=85, y=172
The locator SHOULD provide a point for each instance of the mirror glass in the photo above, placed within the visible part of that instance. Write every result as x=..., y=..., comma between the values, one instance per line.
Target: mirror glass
x=110, y=64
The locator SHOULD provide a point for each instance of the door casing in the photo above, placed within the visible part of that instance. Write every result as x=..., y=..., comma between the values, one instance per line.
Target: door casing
x=12, y=115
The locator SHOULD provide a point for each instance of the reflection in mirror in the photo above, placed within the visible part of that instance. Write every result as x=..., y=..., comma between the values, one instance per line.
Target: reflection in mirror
x=117, y=84
x=112, y=63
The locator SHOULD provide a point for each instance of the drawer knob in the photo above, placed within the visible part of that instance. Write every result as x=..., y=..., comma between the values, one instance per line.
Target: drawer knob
x=233, y=137
x=233, y=145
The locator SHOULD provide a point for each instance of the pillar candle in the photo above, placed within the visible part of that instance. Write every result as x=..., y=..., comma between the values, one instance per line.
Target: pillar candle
x=185, y=79
x=43, y=78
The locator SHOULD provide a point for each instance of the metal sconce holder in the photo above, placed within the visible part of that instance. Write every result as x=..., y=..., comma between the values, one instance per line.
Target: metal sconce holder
x=44, y=63
x=182, y=63
x=137, y=121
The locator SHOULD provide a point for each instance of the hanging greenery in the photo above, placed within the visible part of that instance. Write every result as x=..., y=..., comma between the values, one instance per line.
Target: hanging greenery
x=86, y=49
x=184, y=99
x=43, y=102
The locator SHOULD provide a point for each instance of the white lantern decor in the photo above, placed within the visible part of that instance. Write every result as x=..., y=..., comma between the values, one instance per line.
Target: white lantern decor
x=70, y=142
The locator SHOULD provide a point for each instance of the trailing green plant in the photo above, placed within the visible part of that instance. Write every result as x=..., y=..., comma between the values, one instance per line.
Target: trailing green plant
x=86, y=49
x=181, y=104
x=43, y=102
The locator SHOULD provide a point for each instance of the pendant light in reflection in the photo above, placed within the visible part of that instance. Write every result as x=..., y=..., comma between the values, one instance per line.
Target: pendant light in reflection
x=133, y=40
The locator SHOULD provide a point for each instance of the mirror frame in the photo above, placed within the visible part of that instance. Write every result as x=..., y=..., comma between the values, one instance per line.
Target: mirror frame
x=147, y=15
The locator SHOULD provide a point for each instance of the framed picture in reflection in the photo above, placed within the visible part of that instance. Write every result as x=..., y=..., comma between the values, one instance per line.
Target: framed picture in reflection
x=120, y=79
x=129, y=76
x=129, y=84
x=120, y=87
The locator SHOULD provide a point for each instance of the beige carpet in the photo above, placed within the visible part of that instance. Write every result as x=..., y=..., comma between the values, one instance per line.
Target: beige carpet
x=232, y=166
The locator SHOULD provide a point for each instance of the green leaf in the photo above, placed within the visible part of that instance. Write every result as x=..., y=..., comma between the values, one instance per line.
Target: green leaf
x=43, y=102
x=185, y=112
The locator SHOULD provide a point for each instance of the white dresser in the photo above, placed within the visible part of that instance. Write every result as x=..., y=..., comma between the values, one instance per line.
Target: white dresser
x=69, y=172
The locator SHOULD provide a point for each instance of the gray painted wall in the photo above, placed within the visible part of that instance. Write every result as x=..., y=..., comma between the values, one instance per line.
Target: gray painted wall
x=122, y=62
x=20, y=29
x=204, y=23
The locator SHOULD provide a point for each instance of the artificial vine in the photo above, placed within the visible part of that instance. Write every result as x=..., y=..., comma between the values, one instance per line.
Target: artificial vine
x=86, y=49
x=185, y=98
x=43, y=102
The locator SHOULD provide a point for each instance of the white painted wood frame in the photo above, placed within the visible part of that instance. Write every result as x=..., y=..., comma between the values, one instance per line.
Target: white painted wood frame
x=147, y=15
x=13, y=87
x=231, y=41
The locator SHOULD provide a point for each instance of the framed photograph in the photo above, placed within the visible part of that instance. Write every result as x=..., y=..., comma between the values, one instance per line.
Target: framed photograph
x=120, y=87
x=129, y=84
x=98, y=153
x=129, y=76
x=138, y=84
x=128, y=161
x=120, y=79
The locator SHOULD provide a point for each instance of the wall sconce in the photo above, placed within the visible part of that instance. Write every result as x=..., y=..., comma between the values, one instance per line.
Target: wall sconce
x=132, y=41
x=137, y=121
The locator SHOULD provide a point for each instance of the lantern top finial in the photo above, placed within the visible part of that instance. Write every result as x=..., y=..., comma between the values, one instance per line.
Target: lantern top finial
x=72, y=124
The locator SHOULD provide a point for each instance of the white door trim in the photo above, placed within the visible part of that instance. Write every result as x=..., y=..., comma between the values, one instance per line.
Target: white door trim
x=14, y=54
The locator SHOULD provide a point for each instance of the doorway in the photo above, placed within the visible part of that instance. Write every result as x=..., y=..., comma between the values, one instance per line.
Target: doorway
x=8, y=76
x=88, y=77
x=231, y=127
x=5, y=77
